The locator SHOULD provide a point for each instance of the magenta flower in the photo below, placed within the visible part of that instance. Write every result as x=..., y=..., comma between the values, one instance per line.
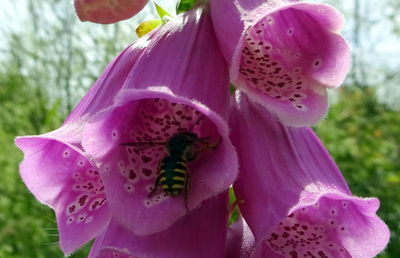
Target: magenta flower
x=200, y=234
x=107, y=11
x=179, y=84
x=143, y=163
x=59, y=174
x=294, y=198
x=240, y=242
x=283, y=54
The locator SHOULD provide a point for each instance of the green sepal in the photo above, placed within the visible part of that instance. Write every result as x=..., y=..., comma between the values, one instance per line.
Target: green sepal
x=162, y=13
x=232, y=89
x=234, y=209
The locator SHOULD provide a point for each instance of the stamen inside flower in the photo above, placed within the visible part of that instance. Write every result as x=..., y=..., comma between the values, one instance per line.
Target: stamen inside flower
x=316, y=231
x=280, y=53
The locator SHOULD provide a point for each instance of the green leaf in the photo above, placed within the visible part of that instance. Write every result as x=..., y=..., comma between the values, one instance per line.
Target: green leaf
x=185, y=5
x=161, y=12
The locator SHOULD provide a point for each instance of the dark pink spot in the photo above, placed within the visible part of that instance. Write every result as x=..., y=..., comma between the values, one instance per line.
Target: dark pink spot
x=146, y=159
x=132, y=174
x=146, y=172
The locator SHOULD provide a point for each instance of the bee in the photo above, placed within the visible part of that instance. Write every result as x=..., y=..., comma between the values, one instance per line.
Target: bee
x=182, y=147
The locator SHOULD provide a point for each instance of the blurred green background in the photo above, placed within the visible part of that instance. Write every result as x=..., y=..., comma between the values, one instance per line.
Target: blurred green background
x=49, y=59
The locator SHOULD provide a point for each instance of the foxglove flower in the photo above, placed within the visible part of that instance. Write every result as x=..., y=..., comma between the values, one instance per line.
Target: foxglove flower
x=107, y=11
x=200, y=234
x=179, y=84
x=283, y=54
x=59, y=174
x=294, y=198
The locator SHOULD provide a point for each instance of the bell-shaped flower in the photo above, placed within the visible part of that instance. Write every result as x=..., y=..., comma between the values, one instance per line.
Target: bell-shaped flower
x=107, y=11
x=292, y=194
x=200, y=234
x=284, y=54
x=59, y=174
x=179, y=88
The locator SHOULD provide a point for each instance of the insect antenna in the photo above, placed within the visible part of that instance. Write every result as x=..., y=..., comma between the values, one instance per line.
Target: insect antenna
x=195, y=123
x=177, y=123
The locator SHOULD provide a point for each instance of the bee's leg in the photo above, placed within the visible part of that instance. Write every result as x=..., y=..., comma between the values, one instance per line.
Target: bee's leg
x=155, y=188
x=205, y=146
x=214, y=145
x=187, y=189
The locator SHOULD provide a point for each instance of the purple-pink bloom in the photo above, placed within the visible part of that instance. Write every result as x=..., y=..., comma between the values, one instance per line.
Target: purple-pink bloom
x=283, y=54
x=179, y=84
x=294, y=197
x=202, y=233
x=58, y=172
x=240, y=240
x=107, y=11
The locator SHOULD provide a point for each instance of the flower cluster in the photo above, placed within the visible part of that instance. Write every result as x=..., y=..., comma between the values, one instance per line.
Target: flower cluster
x=144, y=162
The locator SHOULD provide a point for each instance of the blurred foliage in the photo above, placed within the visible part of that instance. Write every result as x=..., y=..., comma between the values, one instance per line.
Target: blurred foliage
x=27, y=228
x=363, y=136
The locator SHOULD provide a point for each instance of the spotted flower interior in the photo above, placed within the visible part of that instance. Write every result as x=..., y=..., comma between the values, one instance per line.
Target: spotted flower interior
x=135, y=136
x=288, y=56
x=82, y=207
x=157, y=121
x=280, y=53
x=62, y=177
x=86, y=195
x=319, y=230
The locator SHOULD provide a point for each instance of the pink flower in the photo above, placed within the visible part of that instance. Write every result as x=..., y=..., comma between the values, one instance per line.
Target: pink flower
x=294, y=198
x=144, y=161
x=107, y=11
x=58, y=172
x=179, y=84
x=170, y=81
x=283, y=54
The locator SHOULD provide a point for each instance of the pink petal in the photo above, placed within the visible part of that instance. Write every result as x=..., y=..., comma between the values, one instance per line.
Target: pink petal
x=107, y=11
x=54, y=166
x=287, y=56
x=200, y=234
x=181, y=79
x=294, y=198
x=59, y=175
x=111, y=252
x=240, y=242
x=129, y=173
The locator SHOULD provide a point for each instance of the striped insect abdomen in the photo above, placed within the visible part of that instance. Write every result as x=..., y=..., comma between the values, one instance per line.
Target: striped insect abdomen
x=173, y=175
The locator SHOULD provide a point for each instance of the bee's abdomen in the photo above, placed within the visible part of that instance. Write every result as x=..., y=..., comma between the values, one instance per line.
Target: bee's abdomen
x=173, y=175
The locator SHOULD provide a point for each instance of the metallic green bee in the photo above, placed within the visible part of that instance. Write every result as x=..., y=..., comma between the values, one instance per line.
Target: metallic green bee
x=182, y=147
